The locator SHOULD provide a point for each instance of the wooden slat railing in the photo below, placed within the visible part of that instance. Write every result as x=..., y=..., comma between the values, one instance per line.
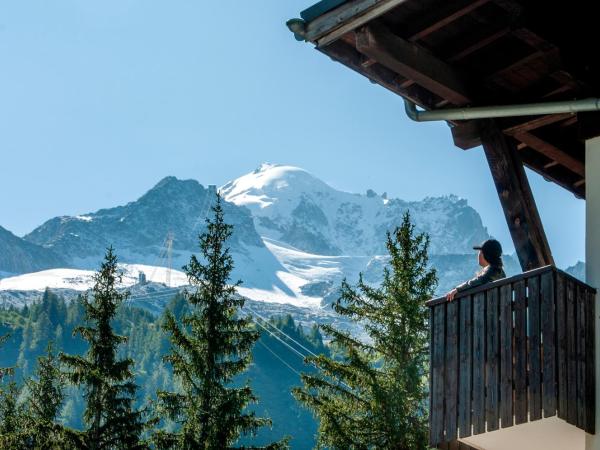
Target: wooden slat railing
x=515, y=350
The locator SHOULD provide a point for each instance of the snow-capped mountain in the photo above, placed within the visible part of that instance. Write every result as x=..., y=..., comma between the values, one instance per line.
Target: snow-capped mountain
x=295, y=238
x=139, y=230
x=19, y=256
x=292, y=206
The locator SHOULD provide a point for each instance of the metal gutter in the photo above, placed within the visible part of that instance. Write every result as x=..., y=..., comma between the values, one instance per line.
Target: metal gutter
x=489, y=112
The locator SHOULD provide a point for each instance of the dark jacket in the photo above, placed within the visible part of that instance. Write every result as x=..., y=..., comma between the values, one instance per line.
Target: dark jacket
x=486, y=275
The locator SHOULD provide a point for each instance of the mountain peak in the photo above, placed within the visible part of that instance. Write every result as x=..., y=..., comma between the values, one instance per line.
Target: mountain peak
x=171, y=181
x=271, y=182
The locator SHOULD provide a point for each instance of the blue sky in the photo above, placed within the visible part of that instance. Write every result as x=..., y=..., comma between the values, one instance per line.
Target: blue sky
x=101, y=99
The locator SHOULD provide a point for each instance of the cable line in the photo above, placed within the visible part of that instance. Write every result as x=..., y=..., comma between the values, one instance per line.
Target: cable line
x=281, y=331
x=280, y=358
x=281, y=340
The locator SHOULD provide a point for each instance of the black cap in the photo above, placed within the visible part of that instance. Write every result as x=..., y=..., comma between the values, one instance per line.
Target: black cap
x=491, y=249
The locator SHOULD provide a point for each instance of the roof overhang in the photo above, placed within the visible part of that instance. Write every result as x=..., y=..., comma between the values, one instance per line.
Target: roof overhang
x=467, y=53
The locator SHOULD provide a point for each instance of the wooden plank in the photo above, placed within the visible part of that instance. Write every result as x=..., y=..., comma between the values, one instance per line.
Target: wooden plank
x=437, y=377
x=329, y=27
x=520, y=352
x=479, y=363
x=551, y=59
x=506, y=357
x=580, y=337
x=552, y=152
x=548, y=344
x=535, y=123
x=465, y=366
x=590, y=358
x=571, y=355
x=447, y=17
x=515, y=195
x=451, y=378
x=478, y=44
x=412, y=62
x=561, y=331
x=492, y=382
x=534, y=350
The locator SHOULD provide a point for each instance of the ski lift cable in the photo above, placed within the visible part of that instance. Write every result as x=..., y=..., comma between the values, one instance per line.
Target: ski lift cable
x=300, y=354
x=341, y=383
x=280, y=331
x=160, y=256
x=280, y=358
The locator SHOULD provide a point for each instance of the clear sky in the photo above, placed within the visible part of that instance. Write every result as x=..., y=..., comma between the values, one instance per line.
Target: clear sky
x=99, y=100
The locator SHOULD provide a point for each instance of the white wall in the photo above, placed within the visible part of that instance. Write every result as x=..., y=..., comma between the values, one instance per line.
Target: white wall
x=592, y=256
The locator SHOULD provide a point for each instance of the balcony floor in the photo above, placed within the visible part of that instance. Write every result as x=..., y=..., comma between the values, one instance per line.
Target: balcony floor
x=546, y=434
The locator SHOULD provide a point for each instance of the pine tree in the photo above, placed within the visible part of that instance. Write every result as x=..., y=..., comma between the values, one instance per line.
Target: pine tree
x=208, y=349
x=4, y=371
x=13, y=420
x=44, y=401
x=109, y=387
x=373, y=396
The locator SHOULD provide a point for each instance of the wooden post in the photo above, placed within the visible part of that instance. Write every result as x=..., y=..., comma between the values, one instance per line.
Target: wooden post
x=515, y=195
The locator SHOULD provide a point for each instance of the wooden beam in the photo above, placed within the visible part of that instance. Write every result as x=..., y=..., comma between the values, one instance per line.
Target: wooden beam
x=552, y=152
x=516, y=198
x=538, y=122
x=447, y=18
x=345, y=54
x=466, y=135
x=566, y=182
x=332, y=25
x=478, y=44
x=412, y=62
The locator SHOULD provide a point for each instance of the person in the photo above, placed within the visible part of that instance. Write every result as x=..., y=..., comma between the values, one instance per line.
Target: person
x=490, y=259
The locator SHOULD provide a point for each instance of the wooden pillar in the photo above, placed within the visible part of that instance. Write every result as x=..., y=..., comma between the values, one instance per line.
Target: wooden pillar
x=515, y=195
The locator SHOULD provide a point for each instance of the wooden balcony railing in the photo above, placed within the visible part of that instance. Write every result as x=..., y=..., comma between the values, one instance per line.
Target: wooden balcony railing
x=515, y=350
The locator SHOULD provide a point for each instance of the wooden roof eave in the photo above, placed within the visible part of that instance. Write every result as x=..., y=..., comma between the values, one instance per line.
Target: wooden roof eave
x=349, y=34
x=348, y=16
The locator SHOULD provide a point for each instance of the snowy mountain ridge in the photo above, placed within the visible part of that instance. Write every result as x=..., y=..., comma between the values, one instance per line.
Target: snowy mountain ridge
x=292, y=206
x=295, y=237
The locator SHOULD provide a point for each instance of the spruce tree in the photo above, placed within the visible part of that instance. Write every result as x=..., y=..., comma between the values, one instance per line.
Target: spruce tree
x=13, y=420
x=111, y=420
x=210, y=346
x=374, y=394
x=44, y=401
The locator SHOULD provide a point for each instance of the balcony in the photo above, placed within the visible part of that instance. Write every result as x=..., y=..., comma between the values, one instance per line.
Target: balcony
x=513, y=352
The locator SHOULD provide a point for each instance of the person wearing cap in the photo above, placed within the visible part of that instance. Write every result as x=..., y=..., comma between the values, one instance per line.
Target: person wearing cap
x=490, y=259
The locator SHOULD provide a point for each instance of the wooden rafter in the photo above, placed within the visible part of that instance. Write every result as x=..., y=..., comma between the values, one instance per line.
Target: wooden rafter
x=552, y=152
x=447, y=17
x=412, y=62
x=537, y=122
x=345, y=54
x=547, y=171
x=478, y=44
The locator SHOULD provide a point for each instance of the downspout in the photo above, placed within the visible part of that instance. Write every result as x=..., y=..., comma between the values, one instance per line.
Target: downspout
x=488, y=112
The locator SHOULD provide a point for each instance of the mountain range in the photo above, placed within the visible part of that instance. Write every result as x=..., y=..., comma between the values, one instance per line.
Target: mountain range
x=295, y=237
